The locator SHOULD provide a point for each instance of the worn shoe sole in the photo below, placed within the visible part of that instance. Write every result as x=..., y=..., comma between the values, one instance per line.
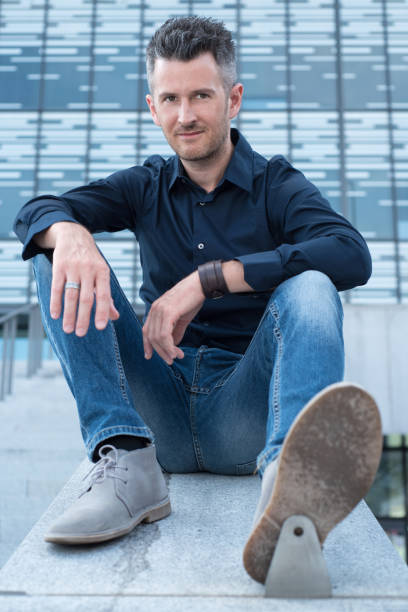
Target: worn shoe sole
x=155, y=513
x=327, y=465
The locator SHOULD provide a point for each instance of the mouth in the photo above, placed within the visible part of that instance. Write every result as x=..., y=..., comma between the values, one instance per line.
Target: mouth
x=190, y=134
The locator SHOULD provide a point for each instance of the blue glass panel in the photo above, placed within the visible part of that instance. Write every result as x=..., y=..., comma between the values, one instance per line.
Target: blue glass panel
x=62, y=152
x=266, y=132
x=312, y=54
x=316, y=152
x=66, y=84
x=20, y=58
x=368, y=174
x=382, y=286
x=17, y=156
x=118, y=52
x=397, y=18
x=262, y=55
x=363, y=59
x=400, y=138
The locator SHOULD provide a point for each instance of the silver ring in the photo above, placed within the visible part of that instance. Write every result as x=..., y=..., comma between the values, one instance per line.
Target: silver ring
x=72, y=285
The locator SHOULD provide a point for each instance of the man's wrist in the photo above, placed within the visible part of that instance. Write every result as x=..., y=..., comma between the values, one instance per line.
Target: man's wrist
x=48, y=237
x=212, y=279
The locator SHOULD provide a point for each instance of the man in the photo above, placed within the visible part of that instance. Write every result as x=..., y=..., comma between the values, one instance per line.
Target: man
x=246, y=382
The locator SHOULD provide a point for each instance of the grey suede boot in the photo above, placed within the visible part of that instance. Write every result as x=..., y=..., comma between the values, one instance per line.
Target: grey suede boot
x=326, y=466
x=124, y=489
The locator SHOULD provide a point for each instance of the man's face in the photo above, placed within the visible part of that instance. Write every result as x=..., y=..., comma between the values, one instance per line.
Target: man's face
x=190, y=104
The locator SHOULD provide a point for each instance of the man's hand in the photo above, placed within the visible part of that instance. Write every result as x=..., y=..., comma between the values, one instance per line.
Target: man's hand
x=169, y=316
x=76, y=258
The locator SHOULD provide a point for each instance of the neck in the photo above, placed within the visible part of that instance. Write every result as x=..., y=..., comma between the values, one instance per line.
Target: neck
x=208, y=172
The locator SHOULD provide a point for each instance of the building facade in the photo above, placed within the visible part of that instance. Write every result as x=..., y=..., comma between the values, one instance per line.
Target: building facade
x=325, y=85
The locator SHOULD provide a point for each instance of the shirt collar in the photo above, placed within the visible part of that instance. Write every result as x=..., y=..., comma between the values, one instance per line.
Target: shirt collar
x=239, y=170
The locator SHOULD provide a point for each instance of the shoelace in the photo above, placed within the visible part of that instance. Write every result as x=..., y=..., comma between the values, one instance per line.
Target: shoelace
x=104, y=468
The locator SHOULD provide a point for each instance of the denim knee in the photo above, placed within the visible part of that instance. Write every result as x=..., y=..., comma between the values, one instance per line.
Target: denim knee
x=310, y=295
x=42, y=266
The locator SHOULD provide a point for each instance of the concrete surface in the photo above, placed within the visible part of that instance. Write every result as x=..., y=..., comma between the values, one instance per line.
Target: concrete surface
x=377, y=358
x=40, y=447
x=192, y=559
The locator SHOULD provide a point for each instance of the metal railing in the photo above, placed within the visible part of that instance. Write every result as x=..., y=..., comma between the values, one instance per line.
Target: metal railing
x=9, y=323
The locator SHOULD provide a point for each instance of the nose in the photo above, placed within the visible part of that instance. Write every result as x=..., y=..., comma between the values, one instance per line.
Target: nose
x=186, y=113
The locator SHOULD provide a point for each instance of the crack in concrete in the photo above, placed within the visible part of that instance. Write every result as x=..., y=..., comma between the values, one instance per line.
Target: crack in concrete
x=134, y=549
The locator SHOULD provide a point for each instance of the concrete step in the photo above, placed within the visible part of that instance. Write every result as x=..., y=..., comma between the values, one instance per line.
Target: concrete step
x=192, y=559
x=40, y=447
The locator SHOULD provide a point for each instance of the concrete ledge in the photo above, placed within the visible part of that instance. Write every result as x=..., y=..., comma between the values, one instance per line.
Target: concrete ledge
x=192, y=559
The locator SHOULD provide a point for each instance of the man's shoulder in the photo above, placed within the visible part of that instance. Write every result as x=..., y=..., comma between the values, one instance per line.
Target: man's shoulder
x=156, y=163
x=144, y=173
x=276, y=168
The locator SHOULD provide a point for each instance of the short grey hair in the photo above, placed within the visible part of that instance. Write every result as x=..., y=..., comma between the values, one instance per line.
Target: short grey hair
x=185, y=38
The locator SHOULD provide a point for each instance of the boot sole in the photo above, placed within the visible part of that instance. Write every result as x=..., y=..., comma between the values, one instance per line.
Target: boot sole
x=327, y=465
x=151, y=515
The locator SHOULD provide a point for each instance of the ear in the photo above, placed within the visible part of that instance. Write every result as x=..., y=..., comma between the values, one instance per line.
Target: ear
x=150, y=103
x=235, y=99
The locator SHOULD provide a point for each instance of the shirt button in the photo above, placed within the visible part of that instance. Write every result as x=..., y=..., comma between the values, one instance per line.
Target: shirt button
x=201, y=246
x=202, y=203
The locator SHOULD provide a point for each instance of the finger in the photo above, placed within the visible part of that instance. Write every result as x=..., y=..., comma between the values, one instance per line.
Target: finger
x=151, y=343
x=71, y=297
x=163, y=354
x=57, y=288
x=157, y=335
x=148, y=349
x=164, y=343
x=113, y=313
x=103, y=297
x=86, y=300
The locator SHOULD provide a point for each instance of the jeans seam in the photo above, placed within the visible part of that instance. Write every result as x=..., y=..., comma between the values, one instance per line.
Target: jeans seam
x=122, y=376
x=116, y=283
x=193, y=401
x=220, y=384
x=242, y=468
x=276, y=374
x=263, y=458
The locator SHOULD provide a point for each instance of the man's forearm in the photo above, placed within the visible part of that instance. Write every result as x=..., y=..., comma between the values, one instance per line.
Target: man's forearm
x=47, y=239
x=234, y=276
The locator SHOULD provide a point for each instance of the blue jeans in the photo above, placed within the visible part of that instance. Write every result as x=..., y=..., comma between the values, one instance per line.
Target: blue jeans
x=214, y=410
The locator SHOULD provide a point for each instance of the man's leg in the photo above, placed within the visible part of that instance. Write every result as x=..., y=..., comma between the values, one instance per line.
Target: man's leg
x=296, y=351
x=323, y=437
x=124, y=488
x=97, y=367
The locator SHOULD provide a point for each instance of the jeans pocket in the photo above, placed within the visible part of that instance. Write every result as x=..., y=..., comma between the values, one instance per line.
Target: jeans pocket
x=245, y=469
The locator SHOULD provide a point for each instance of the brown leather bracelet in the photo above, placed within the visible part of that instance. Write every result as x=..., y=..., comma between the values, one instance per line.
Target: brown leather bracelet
x=212, y=279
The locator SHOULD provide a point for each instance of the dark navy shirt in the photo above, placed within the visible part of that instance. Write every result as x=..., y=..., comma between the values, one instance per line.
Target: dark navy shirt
x=263, y=213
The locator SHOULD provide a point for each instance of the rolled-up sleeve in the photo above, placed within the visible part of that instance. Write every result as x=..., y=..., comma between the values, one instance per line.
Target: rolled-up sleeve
x=106, y=205
x=312, y=236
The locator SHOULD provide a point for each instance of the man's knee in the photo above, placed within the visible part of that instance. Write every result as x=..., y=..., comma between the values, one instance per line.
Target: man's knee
x=309, y=296
x=42, y=265
x=309, y=285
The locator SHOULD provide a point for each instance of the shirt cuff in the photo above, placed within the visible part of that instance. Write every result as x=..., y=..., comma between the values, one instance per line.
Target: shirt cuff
x=31, y=248
x=262, y=271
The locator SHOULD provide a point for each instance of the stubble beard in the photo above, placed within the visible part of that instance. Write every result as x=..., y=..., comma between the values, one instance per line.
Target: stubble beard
x=213, y=149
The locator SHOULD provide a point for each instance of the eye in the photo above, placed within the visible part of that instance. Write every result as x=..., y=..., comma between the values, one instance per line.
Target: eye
x=202, y=96
x=169, y=99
